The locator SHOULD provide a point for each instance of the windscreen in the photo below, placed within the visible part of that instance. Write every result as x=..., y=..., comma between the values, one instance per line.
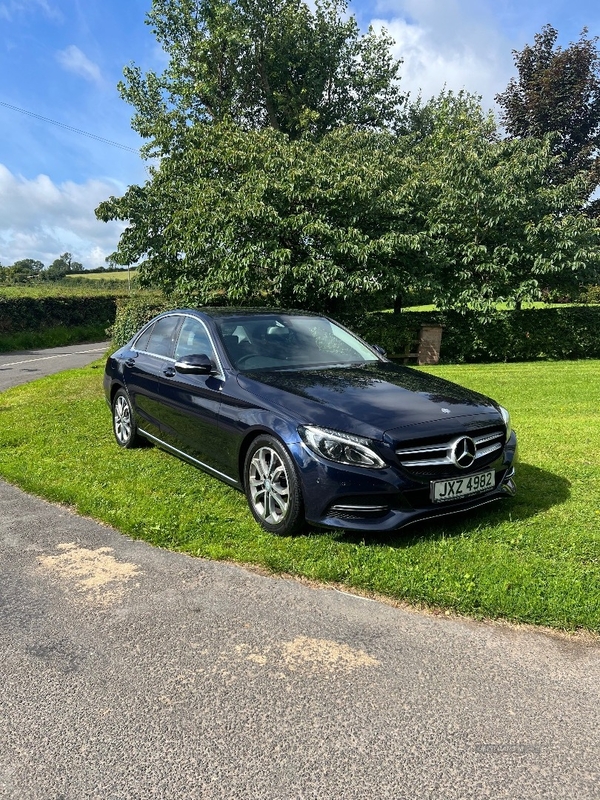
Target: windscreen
x=286, y=341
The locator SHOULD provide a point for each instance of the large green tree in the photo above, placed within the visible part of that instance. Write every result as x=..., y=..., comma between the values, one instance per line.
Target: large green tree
x=557, y=92
x=256, y=216
x=287, y=172
x=242, y=216
x=61, y=266
x=267, y=183
x=498, y=227
x=282, y=64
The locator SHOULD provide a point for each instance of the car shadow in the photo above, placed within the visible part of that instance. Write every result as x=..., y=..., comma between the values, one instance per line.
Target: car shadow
x=537, y=491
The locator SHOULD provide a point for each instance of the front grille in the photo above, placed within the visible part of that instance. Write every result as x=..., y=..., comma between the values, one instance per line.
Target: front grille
x=433, y=459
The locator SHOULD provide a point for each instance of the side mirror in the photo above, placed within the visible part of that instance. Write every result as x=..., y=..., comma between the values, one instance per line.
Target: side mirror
x=196, y=364
x=379, y=349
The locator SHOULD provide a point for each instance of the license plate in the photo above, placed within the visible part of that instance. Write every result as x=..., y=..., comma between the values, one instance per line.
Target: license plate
x=454, y=489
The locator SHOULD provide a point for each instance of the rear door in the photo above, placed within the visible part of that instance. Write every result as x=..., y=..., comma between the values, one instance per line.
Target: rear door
x=149, y=365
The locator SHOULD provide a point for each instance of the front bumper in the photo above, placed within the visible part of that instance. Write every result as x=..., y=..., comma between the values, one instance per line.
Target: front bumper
x=352, y=498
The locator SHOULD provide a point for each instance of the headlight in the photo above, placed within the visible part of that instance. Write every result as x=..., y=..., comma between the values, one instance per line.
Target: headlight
x=343, y=448
x=506, y=418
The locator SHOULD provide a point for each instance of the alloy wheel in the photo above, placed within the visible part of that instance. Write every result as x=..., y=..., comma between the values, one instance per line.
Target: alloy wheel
x=122, y=420
x=269, y=485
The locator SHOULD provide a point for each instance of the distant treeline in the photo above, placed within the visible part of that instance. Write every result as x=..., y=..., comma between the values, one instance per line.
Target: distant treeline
x=29, y=270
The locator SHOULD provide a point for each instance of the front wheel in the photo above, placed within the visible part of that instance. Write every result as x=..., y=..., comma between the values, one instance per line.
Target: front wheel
x=272, y=487
x=124, y=426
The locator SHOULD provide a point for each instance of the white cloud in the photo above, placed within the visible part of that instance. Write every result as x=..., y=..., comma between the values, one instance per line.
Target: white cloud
x=40, y=219
x=446, y=43
x=74, y=60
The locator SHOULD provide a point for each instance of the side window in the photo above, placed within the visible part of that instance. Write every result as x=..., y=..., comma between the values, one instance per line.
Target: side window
x=141, y=343
x=163, y=336
x=193, y=340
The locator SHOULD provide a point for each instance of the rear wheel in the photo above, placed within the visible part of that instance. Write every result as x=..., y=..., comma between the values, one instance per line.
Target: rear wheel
x=124, y=425
x=272, y=487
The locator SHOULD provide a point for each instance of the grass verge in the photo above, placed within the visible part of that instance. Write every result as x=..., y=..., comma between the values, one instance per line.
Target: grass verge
x=533, y=559
x=59, y=336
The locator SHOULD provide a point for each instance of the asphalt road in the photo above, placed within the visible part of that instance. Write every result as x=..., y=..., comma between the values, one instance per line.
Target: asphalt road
x=27, y=365
x=132, y=672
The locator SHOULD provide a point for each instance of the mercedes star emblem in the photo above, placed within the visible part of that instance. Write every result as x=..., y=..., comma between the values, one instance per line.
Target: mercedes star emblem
x=464, y=452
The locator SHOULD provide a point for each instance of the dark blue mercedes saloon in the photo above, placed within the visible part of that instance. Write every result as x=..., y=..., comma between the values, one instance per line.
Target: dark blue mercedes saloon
x=312, y=423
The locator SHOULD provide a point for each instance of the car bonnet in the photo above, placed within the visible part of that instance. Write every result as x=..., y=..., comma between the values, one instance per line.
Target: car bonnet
x=367, y=400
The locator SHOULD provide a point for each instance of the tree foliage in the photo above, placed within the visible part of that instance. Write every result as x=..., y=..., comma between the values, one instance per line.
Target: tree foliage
x=262, y=63
x=23, y=271
x=61, y=266
x=243, y=216
x=256, y=217
x=289, y=173
x=498, y=227
x=558, y=91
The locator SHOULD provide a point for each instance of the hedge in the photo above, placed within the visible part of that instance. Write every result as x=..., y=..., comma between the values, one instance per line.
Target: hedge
x=593, y=294
x=537, y=333
x=133, y=312
x=34, y=313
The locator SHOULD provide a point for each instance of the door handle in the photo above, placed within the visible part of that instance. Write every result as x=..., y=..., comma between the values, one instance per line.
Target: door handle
x=169, y=372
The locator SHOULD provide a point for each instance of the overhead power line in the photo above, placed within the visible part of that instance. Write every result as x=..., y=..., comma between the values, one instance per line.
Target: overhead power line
x=70, y=128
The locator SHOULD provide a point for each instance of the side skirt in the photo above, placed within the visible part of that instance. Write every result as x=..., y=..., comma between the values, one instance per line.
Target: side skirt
x=191, y=460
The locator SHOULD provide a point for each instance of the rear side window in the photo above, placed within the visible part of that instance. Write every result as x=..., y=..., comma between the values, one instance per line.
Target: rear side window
x=162, y=338
x=142, y=341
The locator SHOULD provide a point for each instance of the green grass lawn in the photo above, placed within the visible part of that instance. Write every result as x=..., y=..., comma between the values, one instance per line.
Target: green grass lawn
x=535, y=558
x=499, y=306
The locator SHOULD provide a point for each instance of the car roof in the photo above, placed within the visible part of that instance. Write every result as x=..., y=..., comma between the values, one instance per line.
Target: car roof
x=223, y=312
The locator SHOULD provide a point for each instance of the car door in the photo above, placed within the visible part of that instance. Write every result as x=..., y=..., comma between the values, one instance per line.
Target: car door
x=190, y=403
x=148, y=364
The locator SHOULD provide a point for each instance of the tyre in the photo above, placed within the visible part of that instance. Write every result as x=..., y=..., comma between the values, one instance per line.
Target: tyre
x=272, y=487
x=124, y=426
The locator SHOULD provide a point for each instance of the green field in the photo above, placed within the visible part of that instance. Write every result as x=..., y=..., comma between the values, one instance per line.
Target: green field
x=103, y=276
x=535, y=558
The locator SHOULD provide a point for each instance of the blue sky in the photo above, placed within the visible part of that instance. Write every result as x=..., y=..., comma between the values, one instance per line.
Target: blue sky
x=62, y=59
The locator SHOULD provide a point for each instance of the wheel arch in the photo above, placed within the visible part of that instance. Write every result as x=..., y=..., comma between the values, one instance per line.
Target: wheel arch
x=115, y=388
x=245, y=446
x=291, y=512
